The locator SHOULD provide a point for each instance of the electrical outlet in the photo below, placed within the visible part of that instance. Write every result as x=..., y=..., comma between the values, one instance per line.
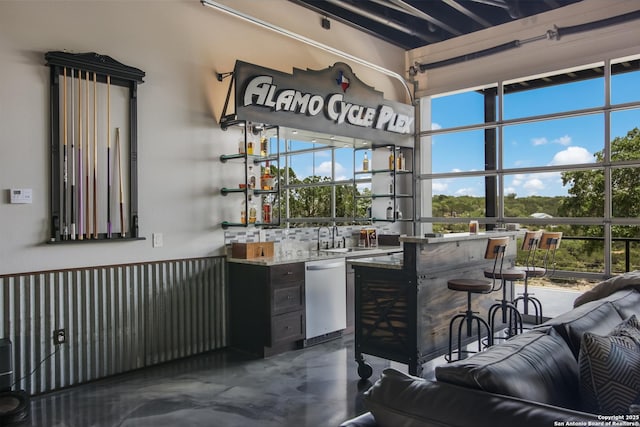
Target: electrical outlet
x=59, y=336
x=157, y=240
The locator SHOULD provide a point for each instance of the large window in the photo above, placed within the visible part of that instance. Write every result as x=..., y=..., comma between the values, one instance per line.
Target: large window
x=562, y=154
x=318, y=179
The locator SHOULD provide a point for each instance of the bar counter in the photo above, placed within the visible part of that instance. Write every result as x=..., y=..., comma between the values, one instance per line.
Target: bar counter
x=403, y=306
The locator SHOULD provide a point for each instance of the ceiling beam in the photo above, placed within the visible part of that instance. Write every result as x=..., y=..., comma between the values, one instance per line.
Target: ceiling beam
x=460, y=8
x=423, y=15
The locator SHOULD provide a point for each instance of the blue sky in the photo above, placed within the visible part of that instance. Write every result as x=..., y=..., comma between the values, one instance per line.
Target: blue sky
x=552, y=142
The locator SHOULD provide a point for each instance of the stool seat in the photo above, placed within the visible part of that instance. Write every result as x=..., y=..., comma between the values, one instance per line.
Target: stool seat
x=470, y=285
x=533, y=271
x=509, y=274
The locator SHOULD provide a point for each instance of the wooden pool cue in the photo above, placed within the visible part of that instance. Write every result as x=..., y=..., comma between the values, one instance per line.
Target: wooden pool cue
x=65, y=177
x=108, y=157
x=95, y=156
x=123, y=231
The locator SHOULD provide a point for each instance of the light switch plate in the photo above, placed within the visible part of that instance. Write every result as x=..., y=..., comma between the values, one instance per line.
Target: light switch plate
x=21, y=195
x=157, y=240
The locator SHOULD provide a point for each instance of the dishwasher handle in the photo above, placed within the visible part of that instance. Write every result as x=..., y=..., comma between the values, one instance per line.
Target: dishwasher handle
x=325, y=266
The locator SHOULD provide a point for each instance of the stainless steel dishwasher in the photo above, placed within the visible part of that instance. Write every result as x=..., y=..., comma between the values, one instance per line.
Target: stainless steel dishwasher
x=325, y=300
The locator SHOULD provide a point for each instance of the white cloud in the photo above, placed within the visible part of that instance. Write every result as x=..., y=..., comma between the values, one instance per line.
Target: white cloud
x=572, y=155
x=439, y=187
x=465, y=192
x=435, y=126
x=533, y=184
x=324, y=169
x=510, y=190
x=563, y=140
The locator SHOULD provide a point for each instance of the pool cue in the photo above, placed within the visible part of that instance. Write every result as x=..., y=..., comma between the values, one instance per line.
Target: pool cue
x=95, y=156
x=65, y=177
x=123, y=231
x=73, y=159
x=108, y=157
x=87, y=219
x=80, y=158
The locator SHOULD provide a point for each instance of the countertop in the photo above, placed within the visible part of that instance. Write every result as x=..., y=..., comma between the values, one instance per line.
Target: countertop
x=303, y=256
x=394, y=261
x=453, y=237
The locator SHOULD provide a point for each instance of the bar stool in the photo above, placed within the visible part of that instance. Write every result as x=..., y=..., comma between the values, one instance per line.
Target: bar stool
x=510, y=314
x=549, y=241
x=530, y=245
x=495, y=251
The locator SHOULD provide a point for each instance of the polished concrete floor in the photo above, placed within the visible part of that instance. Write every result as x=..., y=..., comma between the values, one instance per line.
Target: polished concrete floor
x=317, y=386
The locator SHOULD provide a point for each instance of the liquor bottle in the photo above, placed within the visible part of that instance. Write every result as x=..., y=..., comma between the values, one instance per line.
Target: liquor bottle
x=251, y=177
x=264, y=146
x=266, y=211
x=266, y=179
x=390, y=210
x=398, y=213
x=243, y=213
x=365, y=163
x=391, y=161
x=253, y=211
x=250, y=148
x=400, y=162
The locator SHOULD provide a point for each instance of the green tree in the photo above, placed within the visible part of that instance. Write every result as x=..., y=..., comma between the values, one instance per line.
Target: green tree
x=586, y=189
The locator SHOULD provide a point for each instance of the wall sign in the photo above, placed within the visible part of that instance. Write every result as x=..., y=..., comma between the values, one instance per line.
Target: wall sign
x=331, y=101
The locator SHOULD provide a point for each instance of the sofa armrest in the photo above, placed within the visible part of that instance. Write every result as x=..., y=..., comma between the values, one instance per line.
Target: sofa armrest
x=364, y=420
x=400, y=400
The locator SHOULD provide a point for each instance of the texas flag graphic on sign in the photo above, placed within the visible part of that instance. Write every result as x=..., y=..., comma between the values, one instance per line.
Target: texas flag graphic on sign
x=342, y=81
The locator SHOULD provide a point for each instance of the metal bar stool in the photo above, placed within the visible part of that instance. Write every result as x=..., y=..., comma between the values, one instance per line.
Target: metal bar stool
x=530, y=245
x=510, y=314
x=495, y=251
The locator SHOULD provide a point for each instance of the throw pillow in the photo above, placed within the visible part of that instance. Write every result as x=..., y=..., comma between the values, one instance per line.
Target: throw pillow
x=610, y=369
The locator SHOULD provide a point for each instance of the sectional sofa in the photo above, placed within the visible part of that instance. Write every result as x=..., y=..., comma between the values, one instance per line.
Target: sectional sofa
x=580, y=368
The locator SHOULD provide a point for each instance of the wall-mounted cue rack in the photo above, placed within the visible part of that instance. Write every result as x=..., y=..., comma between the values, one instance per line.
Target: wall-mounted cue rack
x=94, y=180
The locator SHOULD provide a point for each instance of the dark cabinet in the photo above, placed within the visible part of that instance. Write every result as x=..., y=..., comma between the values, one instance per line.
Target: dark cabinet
x=267, y=312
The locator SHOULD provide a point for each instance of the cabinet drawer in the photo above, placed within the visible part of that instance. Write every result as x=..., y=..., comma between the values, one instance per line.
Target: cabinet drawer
x=287, y=327
x=286, y=273
x=286, y=297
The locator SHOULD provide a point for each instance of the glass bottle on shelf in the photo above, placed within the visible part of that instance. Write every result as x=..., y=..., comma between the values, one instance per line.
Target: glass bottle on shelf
x=400, y=162
x=390, y=210
x=266, y=210
x=365, y=163
x=243, y=213
x=250, y=148
x=264, y=146
x=391, y=186
x=253, y=211
x=398, y=213
x=251, y=177
x=391, y=161
x=266, y=179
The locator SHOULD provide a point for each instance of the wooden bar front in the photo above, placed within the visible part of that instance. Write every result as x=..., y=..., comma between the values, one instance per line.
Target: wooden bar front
x=403, y=310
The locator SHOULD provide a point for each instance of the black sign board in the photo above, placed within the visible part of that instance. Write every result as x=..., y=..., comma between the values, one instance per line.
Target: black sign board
x=331, y=101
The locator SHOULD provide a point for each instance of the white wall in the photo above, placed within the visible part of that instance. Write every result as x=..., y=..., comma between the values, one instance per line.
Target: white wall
x=179, y=44
x=530, y=58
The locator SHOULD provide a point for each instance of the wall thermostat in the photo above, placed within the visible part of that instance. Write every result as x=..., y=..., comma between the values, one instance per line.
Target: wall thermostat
x=21, y=195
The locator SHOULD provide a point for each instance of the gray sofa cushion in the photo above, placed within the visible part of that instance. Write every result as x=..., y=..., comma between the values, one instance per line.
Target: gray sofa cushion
x=627, y=302
x=536, y=365
x=400, y=400
x=599, y=317
x=610, y=369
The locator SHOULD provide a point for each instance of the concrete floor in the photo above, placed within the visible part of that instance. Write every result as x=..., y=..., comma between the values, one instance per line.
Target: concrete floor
x=316, y=386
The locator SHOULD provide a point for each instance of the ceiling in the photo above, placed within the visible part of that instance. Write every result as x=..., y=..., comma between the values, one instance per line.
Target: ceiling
x=414, y=23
